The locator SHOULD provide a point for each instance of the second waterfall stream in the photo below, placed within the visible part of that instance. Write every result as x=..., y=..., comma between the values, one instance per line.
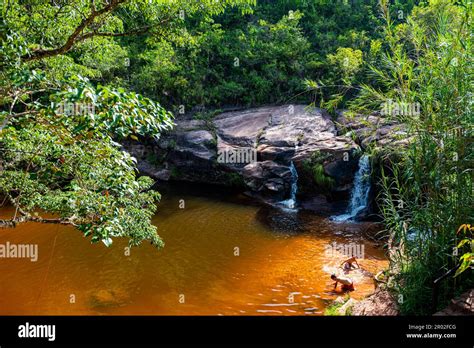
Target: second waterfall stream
x=291, y=203
x=360, y=191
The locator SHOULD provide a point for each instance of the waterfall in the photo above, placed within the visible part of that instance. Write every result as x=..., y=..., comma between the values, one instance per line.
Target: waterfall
x=360, y=191
x=291, y=203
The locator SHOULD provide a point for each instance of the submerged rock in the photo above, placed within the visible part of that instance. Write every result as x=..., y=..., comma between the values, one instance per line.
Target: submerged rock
x=109, y=298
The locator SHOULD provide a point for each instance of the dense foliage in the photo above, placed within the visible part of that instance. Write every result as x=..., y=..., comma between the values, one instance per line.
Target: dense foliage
x=238, y=57
x=427, y=188
x=258, y=58
x=60, y=159
x=70, y=71
x=67, y=68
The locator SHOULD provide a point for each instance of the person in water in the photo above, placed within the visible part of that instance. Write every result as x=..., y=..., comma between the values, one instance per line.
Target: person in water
x=347, y=265
x=347, y=283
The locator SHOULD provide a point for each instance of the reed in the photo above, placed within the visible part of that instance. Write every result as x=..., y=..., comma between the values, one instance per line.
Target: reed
x=427, y=188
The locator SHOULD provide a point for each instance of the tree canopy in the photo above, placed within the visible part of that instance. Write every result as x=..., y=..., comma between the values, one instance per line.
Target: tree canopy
x=60, y=157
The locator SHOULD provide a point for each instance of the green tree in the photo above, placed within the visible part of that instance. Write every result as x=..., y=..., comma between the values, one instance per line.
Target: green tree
x=59, y=156
x=253, y=63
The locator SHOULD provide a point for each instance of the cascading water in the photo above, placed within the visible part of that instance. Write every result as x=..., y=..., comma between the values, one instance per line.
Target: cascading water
x=291, y=203
x=360, y=191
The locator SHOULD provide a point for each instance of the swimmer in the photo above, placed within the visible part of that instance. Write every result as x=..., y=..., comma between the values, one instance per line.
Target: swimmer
x=347, y=265
x=347, y=283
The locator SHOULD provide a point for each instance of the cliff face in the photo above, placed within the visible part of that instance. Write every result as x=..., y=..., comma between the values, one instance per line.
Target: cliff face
x=254, y=149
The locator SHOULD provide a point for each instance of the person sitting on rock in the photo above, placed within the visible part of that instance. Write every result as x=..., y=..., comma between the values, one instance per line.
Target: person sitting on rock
x=347, y=283
x=347, y=265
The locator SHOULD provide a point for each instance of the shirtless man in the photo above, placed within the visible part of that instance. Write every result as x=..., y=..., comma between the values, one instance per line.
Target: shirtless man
x=348, y=264
x=347, y=283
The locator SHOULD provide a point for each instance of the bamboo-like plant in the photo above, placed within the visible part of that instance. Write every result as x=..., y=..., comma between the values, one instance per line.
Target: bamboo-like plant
x=427, y=189
x=467, y=259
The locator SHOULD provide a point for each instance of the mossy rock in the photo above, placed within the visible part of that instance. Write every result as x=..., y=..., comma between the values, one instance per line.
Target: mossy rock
x=314, y=169
x=234, y=180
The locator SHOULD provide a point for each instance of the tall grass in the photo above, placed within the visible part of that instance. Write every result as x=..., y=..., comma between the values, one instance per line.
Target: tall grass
x=427, y=187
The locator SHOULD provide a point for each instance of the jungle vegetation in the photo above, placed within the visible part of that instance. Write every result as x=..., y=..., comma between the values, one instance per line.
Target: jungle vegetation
x=79, y=76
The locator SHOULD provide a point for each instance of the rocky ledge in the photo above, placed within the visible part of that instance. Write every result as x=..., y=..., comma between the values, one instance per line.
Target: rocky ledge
x=380, y=303
x=371, y=130
x=462, y=305
x=254, y=149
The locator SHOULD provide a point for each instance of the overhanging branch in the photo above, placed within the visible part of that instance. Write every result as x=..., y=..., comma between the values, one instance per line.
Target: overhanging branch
x=128, y=33
x=9, y=223
x=73, y=38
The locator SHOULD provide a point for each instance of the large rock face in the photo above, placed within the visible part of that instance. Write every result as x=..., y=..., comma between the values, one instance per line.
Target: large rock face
x=372, y=130
x=276, y=135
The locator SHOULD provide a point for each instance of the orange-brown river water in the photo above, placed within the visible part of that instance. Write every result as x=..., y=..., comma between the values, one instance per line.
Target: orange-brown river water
x=223, y=256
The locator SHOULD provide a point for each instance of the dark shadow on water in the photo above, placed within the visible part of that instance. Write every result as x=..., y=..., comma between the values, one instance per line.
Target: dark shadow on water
x=217, y=192
x=279, y=220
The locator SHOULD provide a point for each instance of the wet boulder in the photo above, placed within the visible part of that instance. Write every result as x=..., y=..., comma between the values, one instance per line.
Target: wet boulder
x=268, y=178
x=381, y=302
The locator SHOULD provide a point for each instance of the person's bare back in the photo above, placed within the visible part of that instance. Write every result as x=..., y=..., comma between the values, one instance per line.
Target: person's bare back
x=347, y=265
x=347, y=283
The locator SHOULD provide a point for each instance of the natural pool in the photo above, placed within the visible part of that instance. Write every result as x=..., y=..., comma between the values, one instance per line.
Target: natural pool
x=224, y=255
